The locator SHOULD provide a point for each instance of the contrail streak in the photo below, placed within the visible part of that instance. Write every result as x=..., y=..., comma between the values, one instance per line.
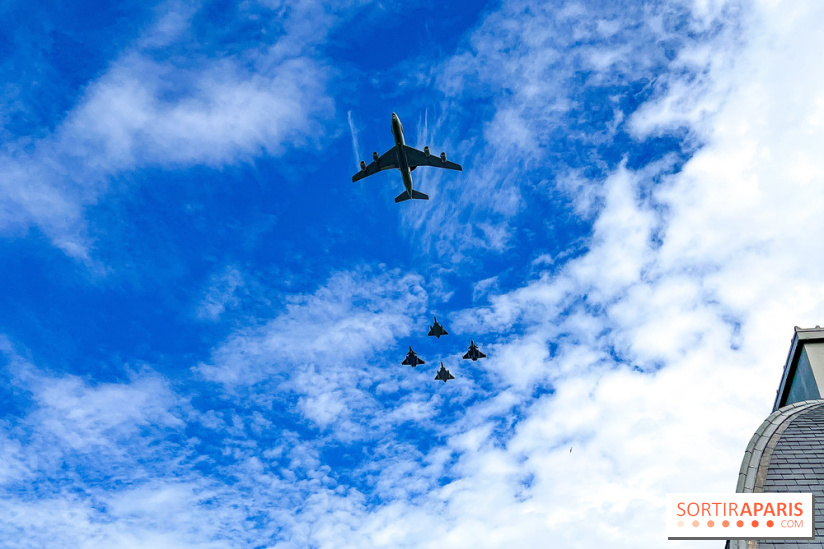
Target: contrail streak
x=355, y=148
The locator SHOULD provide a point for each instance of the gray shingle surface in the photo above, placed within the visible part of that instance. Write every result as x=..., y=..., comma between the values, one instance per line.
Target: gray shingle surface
x=797, y=465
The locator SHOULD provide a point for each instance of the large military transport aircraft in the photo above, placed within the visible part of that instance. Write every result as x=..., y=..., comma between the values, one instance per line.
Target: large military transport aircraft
x=405, y=159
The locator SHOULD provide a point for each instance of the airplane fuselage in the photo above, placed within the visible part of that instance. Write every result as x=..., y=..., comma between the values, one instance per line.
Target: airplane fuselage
x=405, y=159
x=403, y=162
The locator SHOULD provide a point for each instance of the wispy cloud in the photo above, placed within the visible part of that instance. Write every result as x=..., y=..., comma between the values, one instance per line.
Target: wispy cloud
x=221, y=293
x=482, y=287
x=646, y=351
x=321, y=349
x=553, y=85
x=691, y=279
x=153, y=107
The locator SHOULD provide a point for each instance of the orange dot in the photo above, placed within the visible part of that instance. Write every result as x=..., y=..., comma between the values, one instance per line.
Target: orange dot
x=725, y=523
x=754, y=523
x=710, y=523
x=695, y=523
x=740, y=523
x=680, y=523
x=770, y=524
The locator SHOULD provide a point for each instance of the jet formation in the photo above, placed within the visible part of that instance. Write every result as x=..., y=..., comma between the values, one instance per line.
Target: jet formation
x=437, y=330
x=404, y=158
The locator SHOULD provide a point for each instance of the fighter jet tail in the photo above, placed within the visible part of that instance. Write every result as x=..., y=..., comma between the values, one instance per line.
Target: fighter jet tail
x=415, y=194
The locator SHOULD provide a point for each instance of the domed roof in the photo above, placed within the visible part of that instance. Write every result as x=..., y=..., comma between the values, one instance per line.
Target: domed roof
x=786, y=454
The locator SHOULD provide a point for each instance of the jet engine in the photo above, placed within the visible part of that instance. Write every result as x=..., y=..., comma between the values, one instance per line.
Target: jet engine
x=443, y=158
x=375, y=156
x=426, y=151
x=363, y=165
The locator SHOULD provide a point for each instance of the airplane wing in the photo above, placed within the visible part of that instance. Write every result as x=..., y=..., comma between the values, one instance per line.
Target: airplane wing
x=466, y=356
x=419, y=158
x=387, y=161
x=481, y=355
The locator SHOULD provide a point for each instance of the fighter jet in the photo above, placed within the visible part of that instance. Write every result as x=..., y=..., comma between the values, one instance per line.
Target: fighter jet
x=437, y=330
x=412, y=359
x=443, y=374
x=473, y=352
x=405, y=159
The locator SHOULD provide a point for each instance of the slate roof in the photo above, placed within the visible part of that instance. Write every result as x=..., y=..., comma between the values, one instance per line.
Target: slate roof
x=786, y=454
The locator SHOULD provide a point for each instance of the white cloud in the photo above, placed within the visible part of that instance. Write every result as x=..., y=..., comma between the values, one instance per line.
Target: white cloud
x=351, y=314
x=320, y=346
x=652, y=342
x=649, y=355
x=94, y=417
x=663, y=331
x=228, y=114
x=220, y=294
x=153, y=516
x=557, y=79
x=482, y=287
x=79, y=460
x=13, y=465
x=152, y=107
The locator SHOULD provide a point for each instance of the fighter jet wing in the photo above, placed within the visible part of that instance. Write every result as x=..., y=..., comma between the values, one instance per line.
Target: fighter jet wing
x=466, y=356
x=444, y=375
x=387, y=161
x=437, y=332
x=419, y=158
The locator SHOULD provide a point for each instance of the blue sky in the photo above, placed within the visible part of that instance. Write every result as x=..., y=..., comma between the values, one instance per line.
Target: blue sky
x=202, y=318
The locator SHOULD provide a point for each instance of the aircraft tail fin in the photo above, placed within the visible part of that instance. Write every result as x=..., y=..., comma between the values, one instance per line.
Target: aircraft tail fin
x=415, y=194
